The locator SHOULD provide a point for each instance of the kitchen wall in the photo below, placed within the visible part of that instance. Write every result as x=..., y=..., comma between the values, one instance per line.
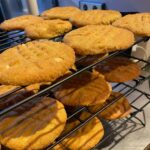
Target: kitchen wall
x=121, y=5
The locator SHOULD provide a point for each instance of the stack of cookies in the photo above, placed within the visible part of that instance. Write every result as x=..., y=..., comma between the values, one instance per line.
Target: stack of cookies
x=39, y=123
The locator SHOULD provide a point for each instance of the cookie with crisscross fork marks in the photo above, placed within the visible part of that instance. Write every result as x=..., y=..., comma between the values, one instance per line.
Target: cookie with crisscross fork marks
x=96, y=39
x=35, y=62
x=137, y=23
x=34, y=125
x=19, y=23
x=95, y=17
x=48, y=29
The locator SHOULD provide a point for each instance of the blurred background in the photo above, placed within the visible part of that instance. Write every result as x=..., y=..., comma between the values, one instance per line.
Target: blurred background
x=12, y=8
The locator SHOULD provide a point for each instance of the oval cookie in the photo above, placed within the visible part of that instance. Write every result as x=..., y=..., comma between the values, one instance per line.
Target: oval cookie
x=84, y=89
x=48, y=29
x=33, y=126
x=98, y=39
x=118, y=69
x=35, y=62
x=19, y=23
x=95, y=17
x=60, y=12
x=137, y=23
x=119, y=109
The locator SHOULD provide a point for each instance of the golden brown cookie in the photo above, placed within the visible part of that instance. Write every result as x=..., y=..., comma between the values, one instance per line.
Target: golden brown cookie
x=33, y=126
x=118, y=69
x=95, y=17
x=48, y=29
x=86, y=137
x=119, y=109
x=83, y=90
x=137, y=23
x=60, y=12
x=35, y=62
x=13, y=94
x=90, y=59
x=19, y=23
x=98, y=39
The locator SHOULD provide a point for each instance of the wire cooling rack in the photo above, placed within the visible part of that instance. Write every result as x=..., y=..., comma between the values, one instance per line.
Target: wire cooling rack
x=10, y=39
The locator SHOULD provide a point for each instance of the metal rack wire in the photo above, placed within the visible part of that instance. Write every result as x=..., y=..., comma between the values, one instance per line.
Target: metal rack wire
x=10, y=39
x=128, y=90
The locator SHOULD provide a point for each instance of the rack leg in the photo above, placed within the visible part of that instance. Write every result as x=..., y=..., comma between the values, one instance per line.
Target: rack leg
x=140, y=120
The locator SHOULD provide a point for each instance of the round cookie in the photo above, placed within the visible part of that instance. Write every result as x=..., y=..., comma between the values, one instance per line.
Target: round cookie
x=63, y=13
x=33, y=126
x=86, y=137
x=35, y=62
x=119, y=109
x=48, y=29
x=98, y=39
x=95, y=17
x=83, y=90
x=19, y=23
x=137, y=23
x=118, y=69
